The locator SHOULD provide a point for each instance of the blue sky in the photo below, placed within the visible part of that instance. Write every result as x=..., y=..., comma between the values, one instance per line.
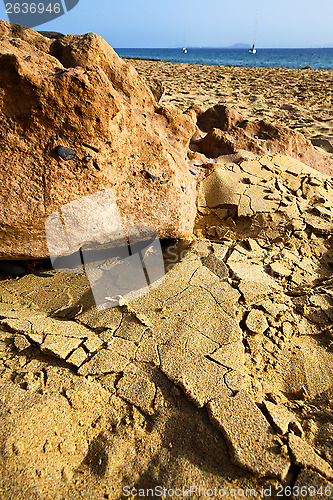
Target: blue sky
x=208, y=23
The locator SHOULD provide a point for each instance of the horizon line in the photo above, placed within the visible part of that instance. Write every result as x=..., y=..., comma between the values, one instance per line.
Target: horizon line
x=225, y=47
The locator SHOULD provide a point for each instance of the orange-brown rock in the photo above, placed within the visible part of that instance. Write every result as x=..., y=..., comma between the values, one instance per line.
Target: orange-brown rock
x=219, y=116
x=227, y=133
x=77, y=93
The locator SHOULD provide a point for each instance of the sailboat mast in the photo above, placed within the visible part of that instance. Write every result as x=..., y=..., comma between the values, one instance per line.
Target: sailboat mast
x=255, y=31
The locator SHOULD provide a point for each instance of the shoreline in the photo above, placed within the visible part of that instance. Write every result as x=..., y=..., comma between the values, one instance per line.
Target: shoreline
x=306, y=68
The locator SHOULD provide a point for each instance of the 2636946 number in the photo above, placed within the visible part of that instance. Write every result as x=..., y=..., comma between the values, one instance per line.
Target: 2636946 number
x=304, y=491
x=33, y=8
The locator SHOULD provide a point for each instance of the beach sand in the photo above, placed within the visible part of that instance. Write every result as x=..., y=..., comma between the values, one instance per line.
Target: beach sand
x=299, y=98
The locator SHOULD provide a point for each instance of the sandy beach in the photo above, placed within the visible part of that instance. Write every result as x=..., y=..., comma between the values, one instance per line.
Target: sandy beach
x=301, y=99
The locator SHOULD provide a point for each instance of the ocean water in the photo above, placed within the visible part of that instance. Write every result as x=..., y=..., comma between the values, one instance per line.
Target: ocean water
x=264, y=58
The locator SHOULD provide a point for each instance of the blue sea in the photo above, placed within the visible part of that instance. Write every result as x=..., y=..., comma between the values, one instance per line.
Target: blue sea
x=264, y=58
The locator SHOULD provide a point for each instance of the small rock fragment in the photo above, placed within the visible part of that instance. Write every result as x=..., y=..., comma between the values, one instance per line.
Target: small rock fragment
x=280, y=269
x=21, y=342
x=60, y=346
x=318, y=224
x=151, y=176
x=65, y=153
x=216, y=266
x=96, y=165
x=256, y=321
x=93, y=343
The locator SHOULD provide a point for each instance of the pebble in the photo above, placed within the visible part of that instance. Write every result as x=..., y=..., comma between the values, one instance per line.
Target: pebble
x=256, y=321
x=65, y=153
x=151, y=176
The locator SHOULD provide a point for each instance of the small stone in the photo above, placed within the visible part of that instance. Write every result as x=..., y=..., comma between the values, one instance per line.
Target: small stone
x=297, y=428
x=324, y=212
x=313, y=181
x=147, y=351
x=60, y=346
x=234, y=380
x=65, y=153
x=216, y=266
x=318, y=224
x=151, y=176
x=297, y=225
x=287, y=329
x=17, y=325
x=256, y=321
x=21, y=342
x=93, y=343
x=19, y=447
x=67, y=473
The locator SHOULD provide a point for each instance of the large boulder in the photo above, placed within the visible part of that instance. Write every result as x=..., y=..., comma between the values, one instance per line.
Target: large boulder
x=228, y=133
x=76, y=93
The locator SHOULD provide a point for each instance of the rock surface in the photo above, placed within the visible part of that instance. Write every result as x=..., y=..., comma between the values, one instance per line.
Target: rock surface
x=75, y=92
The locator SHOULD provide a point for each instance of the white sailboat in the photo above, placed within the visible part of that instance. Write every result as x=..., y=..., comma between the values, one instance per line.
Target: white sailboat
x=184, y=50
x=253, y=49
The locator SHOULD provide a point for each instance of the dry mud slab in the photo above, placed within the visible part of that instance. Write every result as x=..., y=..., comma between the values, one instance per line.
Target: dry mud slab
x=219, y=378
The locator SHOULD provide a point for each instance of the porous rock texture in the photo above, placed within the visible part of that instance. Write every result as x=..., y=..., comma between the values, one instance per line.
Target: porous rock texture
x=76, y=92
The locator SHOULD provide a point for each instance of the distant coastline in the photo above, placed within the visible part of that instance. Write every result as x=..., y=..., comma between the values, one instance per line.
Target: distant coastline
x=320, y=59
